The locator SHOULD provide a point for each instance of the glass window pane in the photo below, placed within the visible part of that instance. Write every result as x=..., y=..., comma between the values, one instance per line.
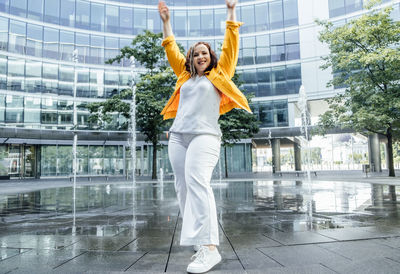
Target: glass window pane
x=35, y=9
x=153, y=21
x=125, y=20
x=276, y=15
x=248, y=19
x=66, y=45
x=96, y=49
x=112, y=19
x=33, y=74
x=82, y=19
x=67, y=17
x=50, y=78
x=220, y=17
x=193, y=22
x=96, y=83
x=18, y=7
x=336, y=8
x=97, y=16
x=262, y=20
x=17, y=37
x=50, y=43
x=14, y=109
x=278, y=80
x=82, y=44
x=66, y=80
x=16, y=75
x=353, y=5
x=52, y=11
x=34, y=40
x=4, y=5
x=207, y=22
x=139, y=23
x=82, y=89
x=180, y=23
x=111, y=49
x=32, y=110
x=290, y=12
x=3, y=72
x=3, y=33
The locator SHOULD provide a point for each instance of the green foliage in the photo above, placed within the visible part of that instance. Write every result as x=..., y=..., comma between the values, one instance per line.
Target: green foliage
x=365, y=57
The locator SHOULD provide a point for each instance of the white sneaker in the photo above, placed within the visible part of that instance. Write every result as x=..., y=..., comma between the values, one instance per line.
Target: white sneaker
x=196, y=248
x=204, y=260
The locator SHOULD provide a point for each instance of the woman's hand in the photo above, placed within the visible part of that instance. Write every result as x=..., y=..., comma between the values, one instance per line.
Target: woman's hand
x=164, y=11
x=230, y=4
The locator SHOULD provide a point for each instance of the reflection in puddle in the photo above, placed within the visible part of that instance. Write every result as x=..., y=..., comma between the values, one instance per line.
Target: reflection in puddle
x=119, y=209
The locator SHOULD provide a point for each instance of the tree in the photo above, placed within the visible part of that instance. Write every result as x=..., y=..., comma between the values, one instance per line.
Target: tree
x=152, y=91
x=237, y=124
x=365, y=59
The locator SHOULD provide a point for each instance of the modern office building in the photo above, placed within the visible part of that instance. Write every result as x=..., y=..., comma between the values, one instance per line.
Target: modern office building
x=279, y=51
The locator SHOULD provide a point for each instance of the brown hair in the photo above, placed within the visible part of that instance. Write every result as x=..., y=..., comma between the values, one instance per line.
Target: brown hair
x=189, y=59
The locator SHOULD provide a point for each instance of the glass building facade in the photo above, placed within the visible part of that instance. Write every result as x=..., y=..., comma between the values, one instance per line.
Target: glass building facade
x=37, y=71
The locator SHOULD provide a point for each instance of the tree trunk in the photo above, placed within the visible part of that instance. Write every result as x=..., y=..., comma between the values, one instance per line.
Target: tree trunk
x=154, y=172
x=390, y=152
x=226, y=163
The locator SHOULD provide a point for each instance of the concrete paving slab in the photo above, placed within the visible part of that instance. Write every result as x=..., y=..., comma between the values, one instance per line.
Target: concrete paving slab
x=295, y=238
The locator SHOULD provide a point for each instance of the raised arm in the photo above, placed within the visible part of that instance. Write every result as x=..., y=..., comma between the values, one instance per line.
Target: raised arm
x=230, y=47
x=175, y=58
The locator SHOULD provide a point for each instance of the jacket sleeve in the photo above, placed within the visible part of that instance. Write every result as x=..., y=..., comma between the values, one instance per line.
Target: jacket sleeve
x=175, y=58
x=230, y=48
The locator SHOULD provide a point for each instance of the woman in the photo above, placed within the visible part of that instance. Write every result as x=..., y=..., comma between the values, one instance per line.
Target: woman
x=203, y=91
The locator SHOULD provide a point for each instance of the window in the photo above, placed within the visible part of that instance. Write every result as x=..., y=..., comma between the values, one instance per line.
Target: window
x=353, y=5
x=14, y=109
x=66, y=77
x=82, y=19
x=249, y=52
x=193, y=23
x=3, y=33
x=112, y=19
x=336, y=8
x=276, y=15
x=18, y=7
x=277, y=47
x=180, y=23
x=35, y=9
x=16, y=74
x=207, y=22
x=96, y=49
x=3, y=72
x=82, y=89
x=153, y=21
x=52, y=11
x=33, y=74
x=278, y=80
x=17, y=37
x=290, y=13
x=125, y=20
x=82, y=44
x=97, y=16
x=96, y=83
x=220, y=17
x=111, y=49
x=262, y=17
x=293, y=76
x=248, y=19
x=66, y=45
x=139, y=23
x=263, y=49
x=67, y=15
x=50, y=78
x=292, y=45
x=4, y=6
x=32, y=110
x=34, y=40
x=264, y=82
x=50, y=43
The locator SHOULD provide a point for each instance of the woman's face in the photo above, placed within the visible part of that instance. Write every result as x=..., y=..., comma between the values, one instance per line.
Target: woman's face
x=201, y=58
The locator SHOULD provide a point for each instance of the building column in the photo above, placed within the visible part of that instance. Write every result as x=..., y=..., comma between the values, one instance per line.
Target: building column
x=297, y=156
x=276, y=155
x=374, y=153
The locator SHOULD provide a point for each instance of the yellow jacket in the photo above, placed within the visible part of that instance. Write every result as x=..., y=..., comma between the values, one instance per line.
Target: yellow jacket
x=220, y=76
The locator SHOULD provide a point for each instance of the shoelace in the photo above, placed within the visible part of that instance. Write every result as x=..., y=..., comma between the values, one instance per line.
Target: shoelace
x=200, y=255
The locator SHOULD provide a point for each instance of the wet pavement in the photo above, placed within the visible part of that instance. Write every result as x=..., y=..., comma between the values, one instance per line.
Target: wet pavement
x=266, y=226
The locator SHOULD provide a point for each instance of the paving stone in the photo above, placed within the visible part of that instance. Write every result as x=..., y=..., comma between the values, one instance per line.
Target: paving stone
x=305, y=237
x=349, y=233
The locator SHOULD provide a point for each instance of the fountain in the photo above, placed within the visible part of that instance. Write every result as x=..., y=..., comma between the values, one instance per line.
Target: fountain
x=302, y=104
x=132, y=127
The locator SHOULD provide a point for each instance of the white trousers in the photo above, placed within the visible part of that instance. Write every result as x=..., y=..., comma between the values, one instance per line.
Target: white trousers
x=193, y=158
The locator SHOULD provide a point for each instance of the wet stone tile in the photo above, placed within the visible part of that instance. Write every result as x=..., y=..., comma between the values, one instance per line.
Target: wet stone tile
x=295, y=238
x=100, y=243
x=349, y=233
x=37, y=241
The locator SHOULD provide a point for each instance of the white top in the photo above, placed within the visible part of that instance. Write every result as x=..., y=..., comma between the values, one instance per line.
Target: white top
x=198, y=109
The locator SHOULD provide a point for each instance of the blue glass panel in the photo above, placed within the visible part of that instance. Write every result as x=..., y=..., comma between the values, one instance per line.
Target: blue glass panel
x=248, y=19
x=3, y=74
x=82, y=19
x=263, y=50
x=290, y=13
x=52, y=11
x=97, y=16
x=66, y=80
x=140, y=20
x=66, y=45
x=153, y=21
x=67, y=16
x=96, y=49
x=17, y=37
x=220, y=18
x=125, y=20
x=50, y=43
x=18, y=7
x=3, y=33
x=50, y=78
x=276, y=14
x=112, y=19
x=82, y=44
x=193, y=23
x=277, y=47
x=33, y=73
x=336, y=8
x=35, y=9
x=292, y=45
x=15, y=74
x=353, y=5
x=34, y=40
x=111, y=49
x=262, y=17
x=180, y=23
x=207, y=22
x=4, y=5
